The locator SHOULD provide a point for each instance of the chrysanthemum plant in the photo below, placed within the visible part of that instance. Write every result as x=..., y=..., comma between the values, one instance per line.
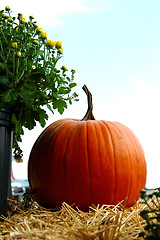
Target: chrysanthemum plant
x=29, y=79
x=151, y=215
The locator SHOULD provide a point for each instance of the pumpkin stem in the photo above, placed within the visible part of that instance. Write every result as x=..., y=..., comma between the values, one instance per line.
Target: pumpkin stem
x=89, y=114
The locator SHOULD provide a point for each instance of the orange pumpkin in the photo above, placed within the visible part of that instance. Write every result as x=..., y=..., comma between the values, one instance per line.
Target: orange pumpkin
x=85, y=162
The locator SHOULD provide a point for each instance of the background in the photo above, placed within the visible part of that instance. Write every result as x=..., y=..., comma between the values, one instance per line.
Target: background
x=114, y=46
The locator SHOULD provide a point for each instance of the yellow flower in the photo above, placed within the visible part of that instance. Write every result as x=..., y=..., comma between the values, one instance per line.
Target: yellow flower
x=35, y=25
x=10, y=19
x=73, y=71
x=38, y=30
x=31, y=17
x=14, y=44
x=7, y=8
x=35, y=42
x=17, y=29
x=64, y=68
x=19, y=54
x=43, y=35
x=22, y=20
x=4, y=15
x=51, y=43
x=60, y=50
x=58, y=44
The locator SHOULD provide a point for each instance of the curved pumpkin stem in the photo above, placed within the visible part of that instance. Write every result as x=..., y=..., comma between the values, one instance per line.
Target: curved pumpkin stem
x=89, y=114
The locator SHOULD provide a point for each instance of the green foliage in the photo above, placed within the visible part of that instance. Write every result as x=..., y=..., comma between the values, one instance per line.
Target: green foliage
x=151, y=214
x=29, y=79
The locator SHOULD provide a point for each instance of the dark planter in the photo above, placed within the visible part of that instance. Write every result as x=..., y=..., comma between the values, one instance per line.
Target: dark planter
x=5, y=159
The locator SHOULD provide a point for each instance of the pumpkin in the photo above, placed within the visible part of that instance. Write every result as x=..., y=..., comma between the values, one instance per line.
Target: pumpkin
x=85, y=162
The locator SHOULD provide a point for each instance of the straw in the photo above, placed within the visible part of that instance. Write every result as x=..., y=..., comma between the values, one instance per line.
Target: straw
x=99, y=223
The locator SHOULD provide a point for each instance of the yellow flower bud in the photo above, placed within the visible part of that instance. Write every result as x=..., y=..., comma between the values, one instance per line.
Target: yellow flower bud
x=10, y=19
x=4, y=15
x=35, y=25
x=43, y=35
x=73, y=71
x=35, y=42
x=22, y=20
x=48, y=43
x=60, y=50
x=17, y=29
x=38, y=30
x=14, y=44
x=20, y=15
x=51, y=43
x=64, y=68
x=58, y=44
x=19, y=54
x=7, y=8
x=31, y=17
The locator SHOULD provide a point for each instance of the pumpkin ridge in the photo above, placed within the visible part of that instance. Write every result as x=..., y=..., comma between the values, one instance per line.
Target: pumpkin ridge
x=56, y=140
x=97, y=129
x=89, y=174
x=114, y=161
x=138, y=174
x=96, y=139
x=58, y=131
x=64, y=157
x=42, y=140
x=135, y=145
x=124, y=130
x=105, y=159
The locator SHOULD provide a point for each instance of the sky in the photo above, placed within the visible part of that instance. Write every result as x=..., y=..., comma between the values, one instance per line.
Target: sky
x=114, y=46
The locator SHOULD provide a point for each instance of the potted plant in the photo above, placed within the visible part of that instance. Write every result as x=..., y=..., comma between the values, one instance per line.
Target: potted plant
x=29, y=79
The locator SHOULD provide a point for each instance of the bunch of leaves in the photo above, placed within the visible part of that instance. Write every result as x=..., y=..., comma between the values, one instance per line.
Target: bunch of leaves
x=151, y=214
x=29, y=79
x=21, y=204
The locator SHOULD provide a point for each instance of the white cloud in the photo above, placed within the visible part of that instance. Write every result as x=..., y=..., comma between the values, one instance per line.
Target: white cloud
x=96, y=5
x=45, y=12
x=50, y=13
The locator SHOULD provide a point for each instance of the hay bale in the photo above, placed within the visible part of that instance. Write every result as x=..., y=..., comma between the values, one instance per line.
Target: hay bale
x=101, y=222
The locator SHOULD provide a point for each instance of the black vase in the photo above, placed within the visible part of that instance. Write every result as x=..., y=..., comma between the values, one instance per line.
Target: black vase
x=5, y=159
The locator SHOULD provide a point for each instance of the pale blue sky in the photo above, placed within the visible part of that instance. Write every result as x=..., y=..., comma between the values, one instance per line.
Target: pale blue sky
x=114, y=46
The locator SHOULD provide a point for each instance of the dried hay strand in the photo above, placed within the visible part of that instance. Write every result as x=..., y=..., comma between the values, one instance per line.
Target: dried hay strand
x=101, y=222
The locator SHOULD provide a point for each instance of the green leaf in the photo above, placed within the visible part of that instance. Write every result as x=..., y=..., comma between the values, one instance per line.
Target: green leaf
x=14, y=118
x=70, y=101
x=71, y=85
x=54, y=91
x=43, y=116
x=30, y=118
x=26, y=91
x=7, y=96
x=60, y=105
x=3, y=80
x=63, y=90
x=39, y=52
x=19, y=129
x=2, y=66
x=37, y=75
x=50, y=108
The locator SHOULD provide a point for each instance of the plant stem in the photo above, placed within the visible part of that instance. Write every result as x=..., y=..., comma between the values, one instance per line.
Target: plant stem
x=17, y=70
x=1, y=46
x=89, y=115
x=4, y=35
